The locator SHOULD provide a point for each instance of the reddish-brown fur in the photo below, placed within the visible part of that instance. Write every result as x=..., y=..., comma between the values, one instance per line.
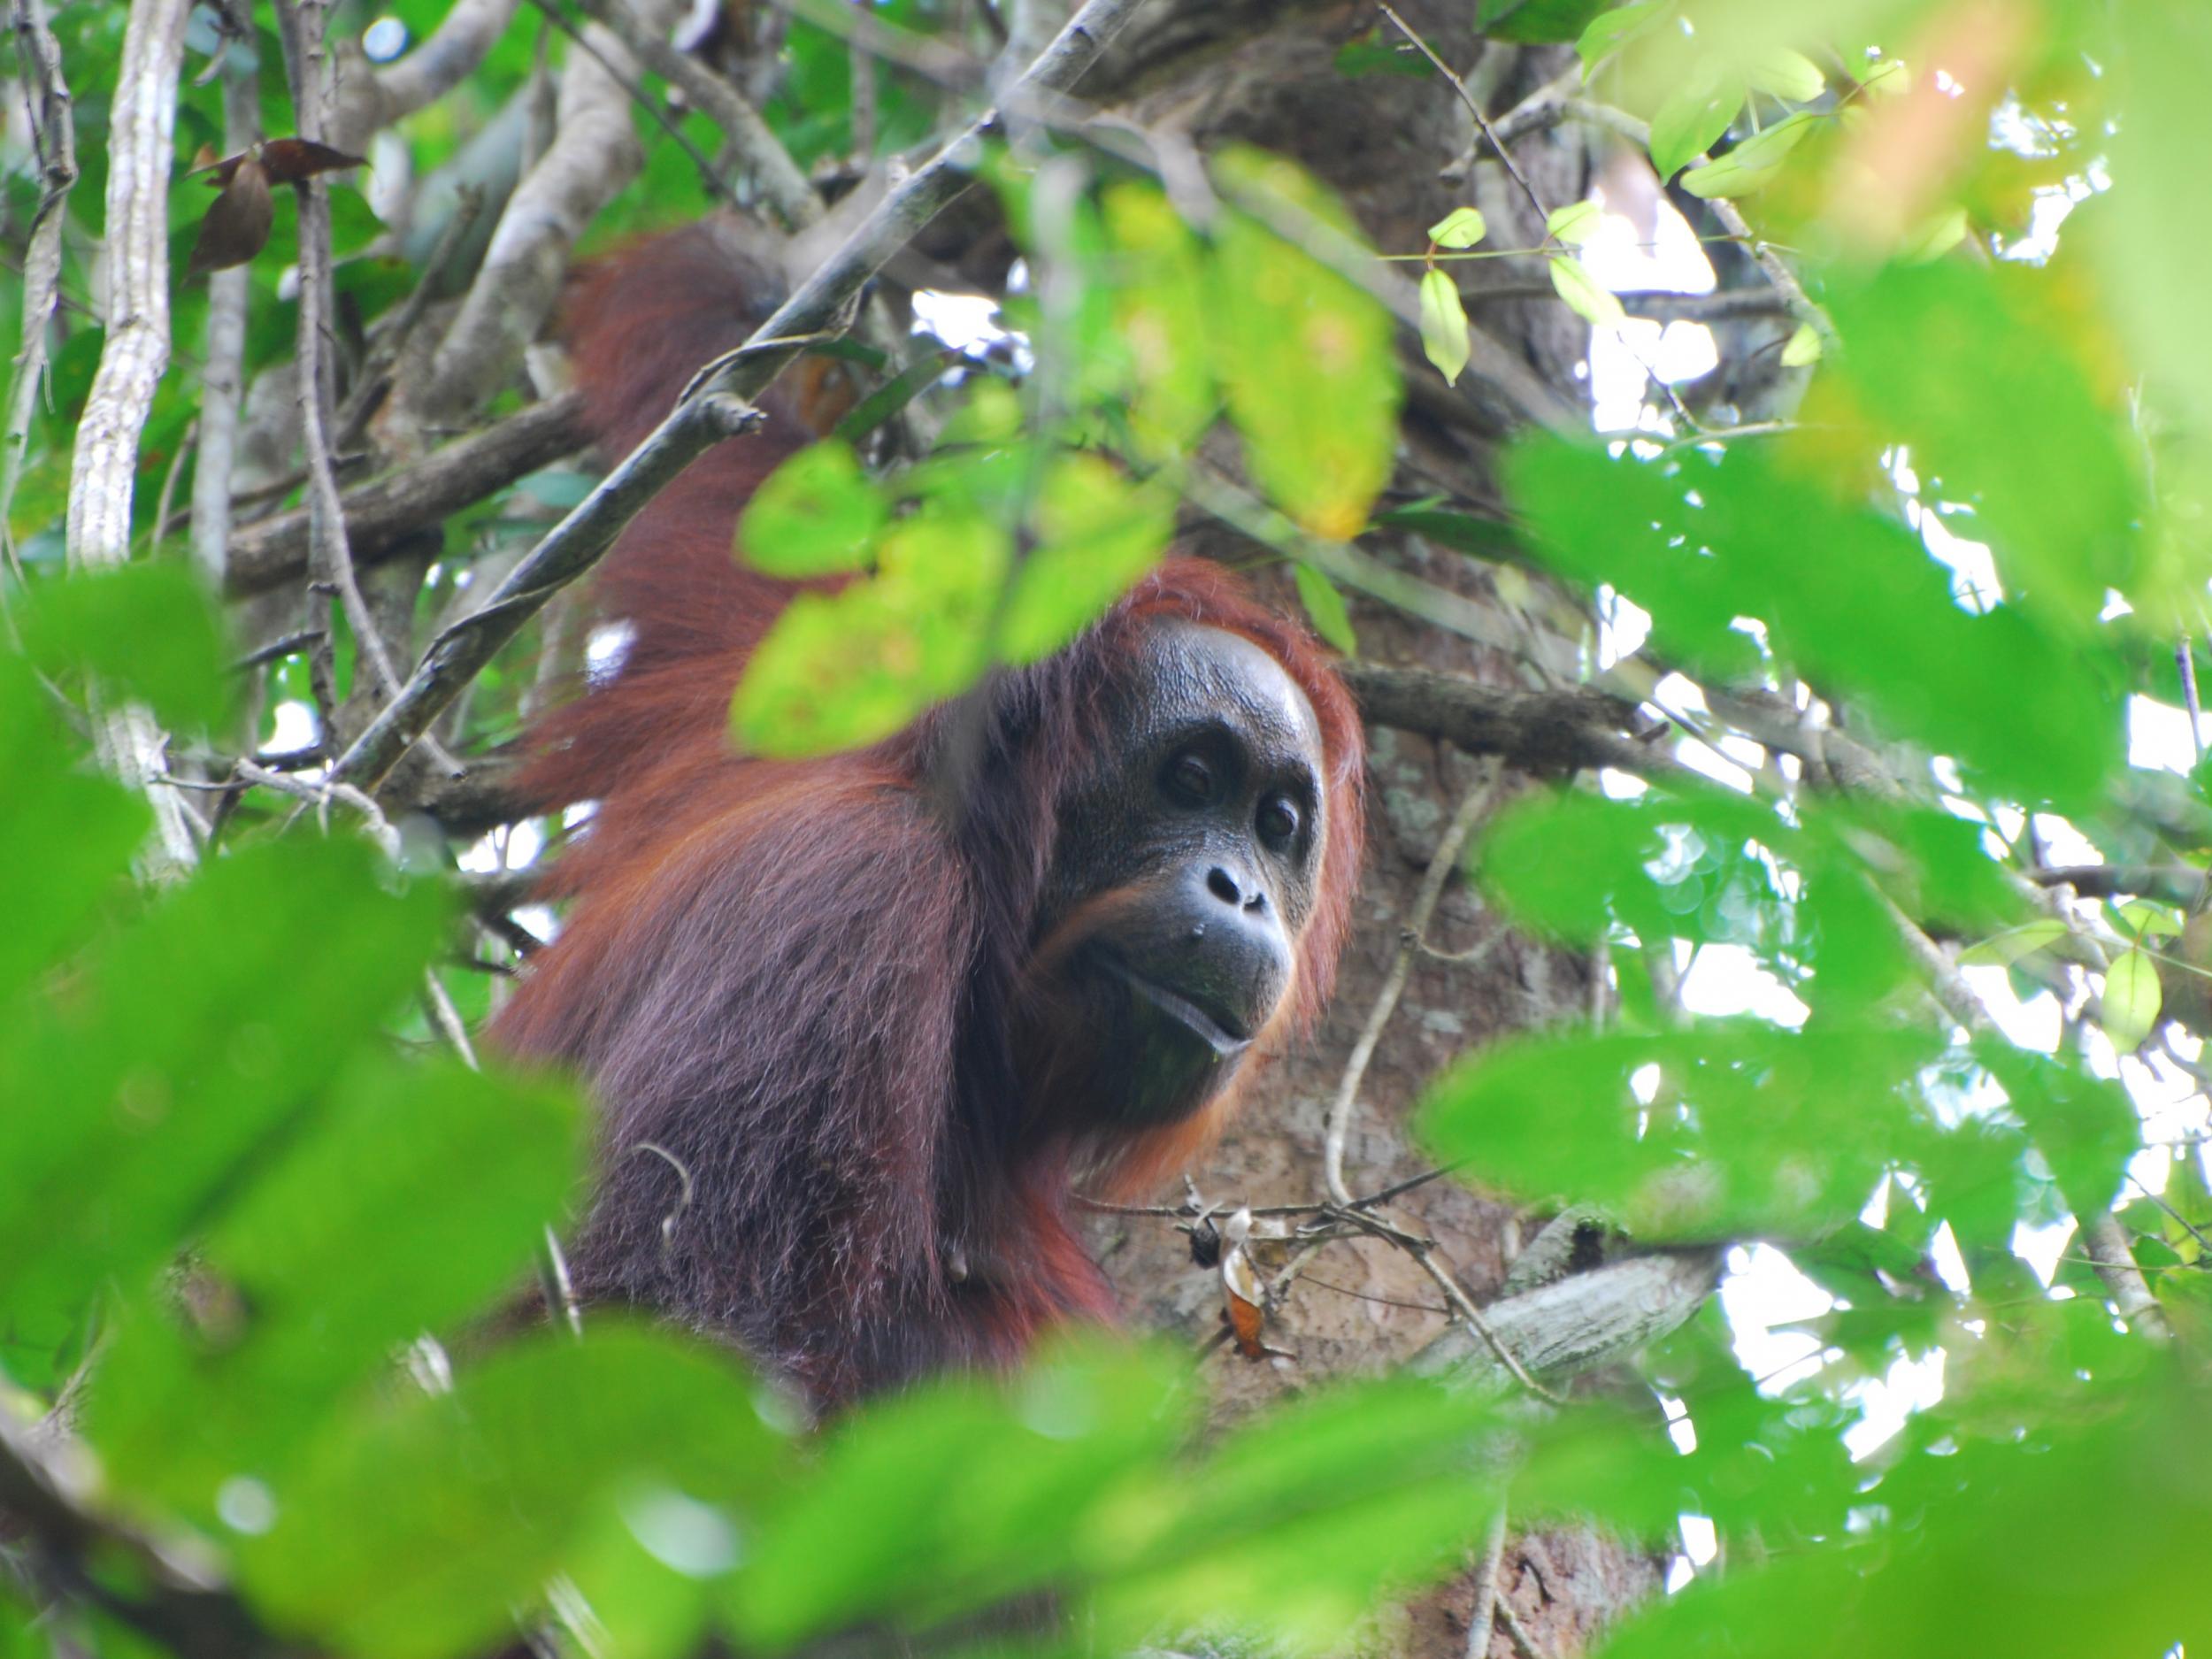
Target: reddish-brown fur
x=793, y=984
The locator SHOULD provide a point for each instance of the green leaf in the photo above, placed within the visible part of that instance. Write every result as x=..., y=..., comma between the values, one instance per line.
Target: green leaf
x=1690, y=121
x=964, y=1493
x=1946, y=357
x=1156, y=278
x=849, y=668
x=1536, y=20
x=1609, y=30
x=1751, y=166
x=456, y=1510
x=1599, y=307
x=66, y=840
x=1704, y=543
x=1325, y=608
x=1933, y=237
x=1791, y=76
x=1574, y=224
x=1443, y=325
x=1302, y=1516
x=2144, y=920
x=1990, y=1545
x=1732, y=1129
x=329, y=1279
x=1484, y=538
x=353, y=222
x=1808, y=899
x=2129, y=1007
x=1372, y=55
x=1098, y=535
x=2015, y=944
x=149, y=630
x=2152, y=250
x=815, y=515
x=1305, y=355
x=2086, y=1126
x=1462, y=227
x=1802, y=349
x=182, y=1047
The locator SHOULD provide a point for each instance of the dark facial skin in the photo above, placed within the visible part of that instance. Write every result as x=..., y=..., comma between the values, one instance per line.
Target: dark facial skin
x=1182, y=879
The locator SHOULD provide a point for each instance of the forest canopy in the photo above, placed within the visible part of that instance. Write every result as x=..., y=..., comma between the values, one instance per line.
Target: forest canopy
x=1753, y=459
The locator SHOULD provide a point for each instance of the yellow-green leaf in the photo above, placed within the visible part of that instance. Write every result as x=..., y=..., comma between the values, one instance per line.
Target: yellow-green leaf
x=1598, y=305
x=2146, y=920
x=1790, y=76
x=1752, y=165
x=2130, y=1001
x=1443, y=325
x=1096, y=534
x=1462, y=227
x=1574, y=224
x=1304, y=352
x=2001, y=950
x=1934, y=236
x=844, y=669
x=1325, y=606
x=817, y=514
x=1802, y=349
x=1159, y=324
x=1690, y=119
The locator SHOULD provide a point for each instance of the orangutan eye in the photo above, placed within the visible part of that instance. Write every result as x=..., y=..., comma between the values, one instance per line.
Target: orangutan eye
x=1277, y=821
x=1190, y=780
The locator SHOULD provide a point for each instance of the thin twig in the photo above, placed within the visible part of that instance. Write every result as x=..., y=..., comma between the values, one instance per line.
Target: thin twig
x=1471, y=1317
x=382, y=513
x=2185, y=660
x=445, y=1019
x=302, y=24
x=1425, y=901
x=556, y=1285
x=322, y=796
x=709, y=174
x=1482, y=121
x=782, y=184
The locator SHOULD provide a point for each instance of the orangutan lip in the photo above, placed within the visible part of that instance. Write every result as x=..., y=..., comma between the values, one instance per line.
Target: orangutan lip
x=1223, y=1039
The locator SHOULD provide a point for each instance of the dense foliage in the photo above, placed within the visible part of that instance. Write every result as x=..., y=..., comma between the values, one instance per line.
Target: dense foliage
x=1917, y=647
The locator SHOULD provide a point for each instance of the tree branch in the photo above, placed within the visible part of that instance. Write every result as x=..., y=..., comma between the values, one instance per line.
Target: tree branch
x=141, y=140
x=54, y=132
x=383, y=514
x=716, y=406
x=782, y=185
x=365, y=100
x=1566, y=730
x=594, y=154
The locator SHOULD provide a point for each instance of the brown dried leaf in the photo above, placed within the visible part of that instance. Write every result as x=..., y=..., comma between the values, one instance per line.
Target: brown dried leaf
x=213, y=170
x=289, y=160
x=237, y=222
x=1243, y=1302
x=281, y=161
